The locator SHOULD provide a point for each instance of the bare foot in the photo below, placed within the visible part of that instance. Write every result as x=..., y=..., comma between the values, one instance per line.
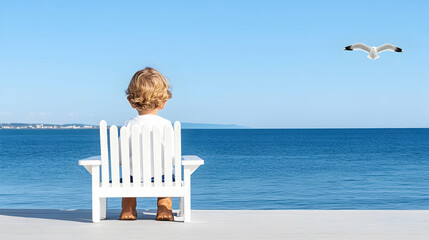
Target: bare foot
x=129, y=211
x=164, y=214
x=126, y=215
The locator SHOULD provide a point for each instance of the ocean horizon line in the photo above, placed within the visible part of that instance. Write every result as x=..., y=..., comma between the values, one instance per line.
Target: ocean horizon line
x=202, y=126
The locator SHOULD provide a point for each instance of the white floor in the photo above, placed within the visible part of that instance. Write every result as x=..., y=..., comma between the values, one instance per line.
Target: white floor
x=218, y=224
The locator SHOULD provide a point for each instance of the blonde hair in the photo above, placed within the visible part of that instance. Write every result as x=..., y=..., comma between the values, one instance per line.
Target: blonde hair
x=148, y=89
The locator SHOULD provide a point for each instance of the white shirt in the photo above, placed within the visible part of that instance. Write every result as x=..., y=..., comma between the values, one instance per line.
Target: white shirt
x=148, y=119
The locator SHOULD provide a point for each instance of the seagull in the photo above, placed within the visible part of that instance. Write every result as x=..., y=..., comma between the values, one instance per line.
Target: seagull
x=373, y=50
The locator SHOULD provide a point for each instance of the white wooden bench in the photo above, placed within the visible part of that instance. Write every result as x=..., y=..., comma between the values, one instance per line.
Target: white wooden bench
x=150, y=153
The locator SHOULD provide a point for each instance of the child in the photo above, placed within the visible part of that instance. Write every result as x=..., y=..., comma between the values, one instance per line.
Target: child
x=148, y=92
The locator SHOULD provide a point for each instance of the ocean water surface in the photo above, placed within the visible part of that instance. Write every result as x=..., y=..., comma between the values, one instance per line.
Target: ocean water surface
x=244, y=169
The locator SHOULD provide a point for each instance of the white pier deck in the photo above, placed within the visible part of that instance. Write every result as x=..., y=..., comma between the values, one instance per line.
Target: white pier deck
x=218, y=224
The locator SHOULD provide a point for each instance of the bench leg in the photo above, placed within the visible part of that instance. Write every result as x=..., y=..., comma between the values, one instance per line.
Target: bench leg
x=95, y=209
x=187, y=208
x=187, y=196
x=96, y=200
x=181, y=207
x=103, y=208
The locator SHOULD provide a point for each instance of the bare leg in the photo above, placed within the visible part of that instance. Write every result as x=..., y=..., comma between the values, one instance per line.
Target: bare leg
x=129, y=211
x=164, y=209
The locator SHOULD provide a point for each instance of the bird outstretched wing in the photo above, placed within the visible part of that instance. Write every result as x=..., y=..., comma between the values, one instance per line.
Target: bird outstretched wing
x=358, y=46
x=388, y=47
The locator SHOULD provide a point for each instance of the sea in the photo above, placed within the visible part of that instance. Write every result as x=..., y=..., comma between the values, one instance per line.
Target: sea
x=244, y=169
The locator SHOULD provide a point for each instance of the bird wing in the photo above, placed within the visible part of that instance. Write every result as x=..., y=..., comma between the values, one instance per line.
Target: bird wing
x=387, y=47
x=360, y=46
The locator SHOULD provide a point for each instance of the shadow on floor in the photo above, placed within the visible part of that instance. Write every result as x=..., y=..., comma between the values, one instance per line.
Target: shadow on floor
x=74, y=215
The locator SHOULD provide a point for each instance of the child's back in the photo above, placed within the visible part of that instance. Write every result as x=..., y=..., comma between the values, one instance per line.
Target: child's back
x=148, y=119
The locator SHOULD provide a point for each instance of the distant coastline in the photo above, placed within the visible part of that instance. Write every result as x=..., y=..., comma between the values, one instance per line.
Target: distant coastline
x=22, y=126
x=46, y=126
x=41, y=126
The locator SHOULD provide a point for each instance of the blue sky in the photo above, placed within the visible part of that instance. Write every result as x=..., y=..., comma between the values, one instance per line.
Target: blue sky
x=264, y=64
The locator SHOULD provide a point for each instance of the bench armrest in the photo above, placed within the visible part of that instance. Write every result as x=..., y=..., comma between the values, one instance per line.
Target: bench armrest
x=91, y=163
x=191, y=162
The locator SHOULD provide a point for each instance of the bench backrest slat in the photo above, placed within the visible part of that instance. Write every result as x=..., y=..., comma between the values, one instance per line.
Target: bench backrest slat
x=136, y=154
x=157, y=157
x=177, y=153
x=114, y=155
x=168, y=158
x=104, y=154
x=125, y=156
x=147, y=155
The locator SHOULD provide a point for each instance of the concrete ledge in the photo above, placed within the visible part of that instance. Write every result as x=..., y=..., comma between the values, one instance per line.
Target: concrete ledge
x=218, y=224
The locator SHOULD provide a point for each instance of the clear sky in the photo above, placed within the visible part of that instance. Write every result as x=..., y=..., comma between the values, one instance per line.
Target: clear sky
x=265, y=64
